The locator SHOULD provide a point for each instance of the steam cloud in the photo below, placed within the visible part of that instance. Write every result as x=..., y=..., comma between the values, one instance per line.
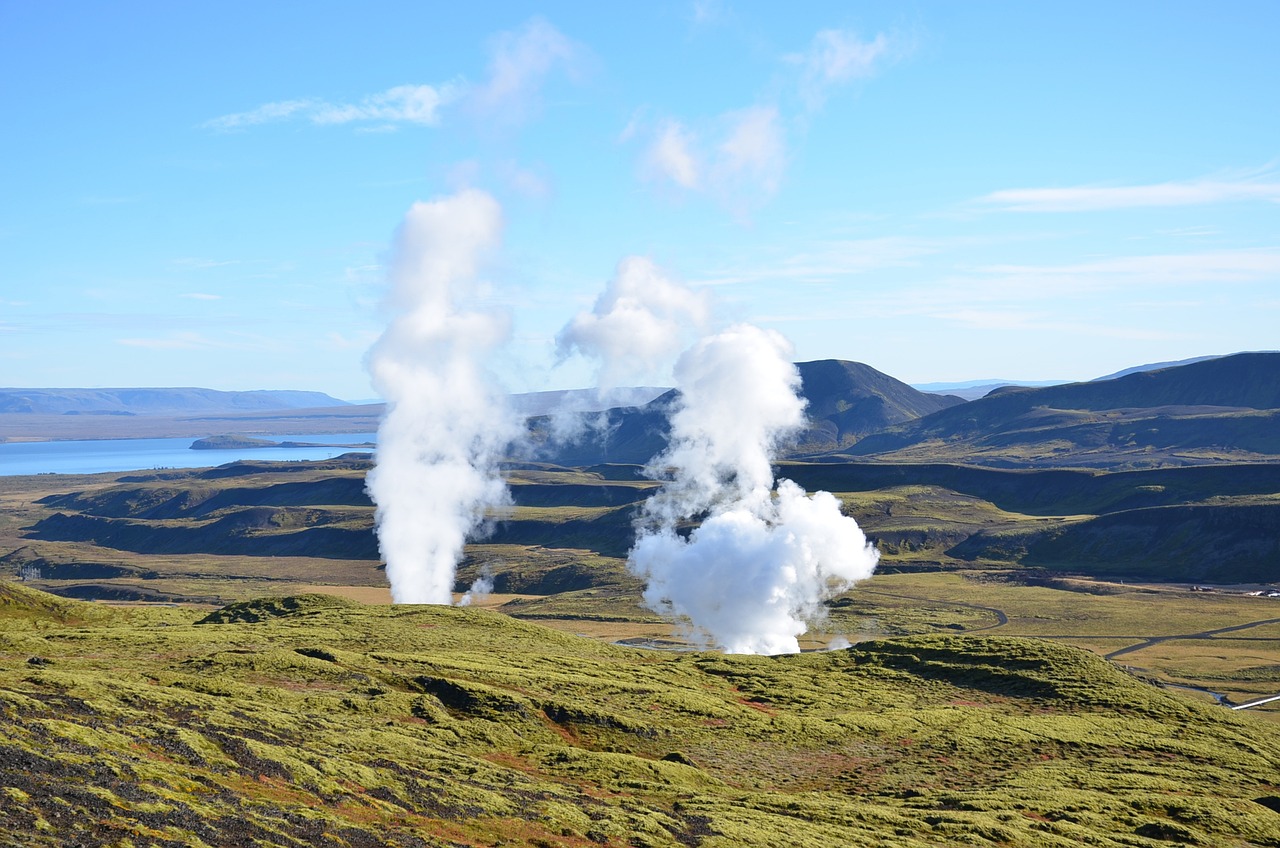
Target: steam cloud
x=447, y=424
x=758, y=567
x=640, y=319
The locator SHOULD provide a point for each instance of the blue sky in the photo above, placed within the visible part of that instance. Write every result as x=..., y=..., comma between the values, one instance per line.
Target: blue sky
x=204, y=194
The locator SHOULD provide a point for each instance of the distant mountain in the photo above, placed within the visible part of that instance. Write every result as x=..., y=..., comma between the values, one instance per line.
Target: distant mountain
x=846, y=401
x=1154, y=366
x=175, y=401
x=583, y=400
x=1221, y=408
x=974, y=389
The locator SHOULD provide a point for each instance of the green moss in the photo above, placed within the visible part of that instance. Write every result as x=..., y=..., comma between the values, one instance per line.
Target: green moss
x=323, y=723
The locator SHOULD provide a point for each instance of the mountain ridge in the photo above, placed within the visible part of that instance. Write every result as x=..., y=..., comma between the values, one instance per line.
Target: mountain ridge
x=157, y=401
x=1224, y=406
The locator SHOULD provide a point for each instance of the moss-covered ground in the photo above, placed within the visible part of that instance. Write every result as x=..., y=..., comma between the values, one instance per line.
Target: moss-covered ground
x=317, y=721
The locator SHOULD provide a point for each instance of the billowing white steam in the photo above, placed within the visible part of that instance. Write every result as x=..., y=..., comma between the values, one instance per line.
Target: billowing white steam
x=758, y=567
x=447, y=424
x=641, y=319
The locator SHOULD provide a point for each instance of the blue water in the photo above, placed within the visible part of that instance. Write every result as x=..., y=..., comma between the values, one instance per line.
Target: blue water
x=92, y=457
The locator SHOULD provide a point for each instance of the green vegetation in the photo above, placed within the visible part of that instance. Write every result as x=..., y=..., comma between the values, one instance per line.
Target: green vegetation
x=313, y=721
x=1001, y=688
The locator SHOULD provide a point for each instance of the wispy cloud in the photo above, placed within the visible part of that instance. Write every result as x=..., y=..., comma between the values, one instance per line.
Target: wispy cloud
x=1221, y=266
x=753, y=151
x=744, y=163
x=836, y=57
x=191, y=340
x=1099, y=198
x=828, y=261
x=520, y=63
x=172, y=341
x=202, y=296
x=670, y=156
x=997, y=320
x=403, y=104
x=740, y=156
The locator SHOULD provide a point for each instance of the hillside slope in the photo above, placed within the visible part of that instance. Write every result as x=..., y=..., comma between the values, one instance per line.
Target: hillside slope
x=310, y=721
x=845, y=401
x=1224, y=408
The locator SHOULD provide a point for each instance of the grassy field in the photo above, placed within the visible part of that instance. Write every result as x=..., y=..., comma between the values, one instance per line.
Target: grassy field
x=322, y=722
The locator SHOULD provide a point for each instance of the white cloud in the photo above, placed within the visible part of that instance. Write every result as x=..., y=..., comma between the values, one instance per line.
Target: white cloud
x=202, y=296
x=710, y=12
x=745, y=164
x=836, y=57
x=670, y=156
x=266, y=113
x=412, y=104
x=521, y=61
x=528, y=182
x=754, y=149
x=1096, y=198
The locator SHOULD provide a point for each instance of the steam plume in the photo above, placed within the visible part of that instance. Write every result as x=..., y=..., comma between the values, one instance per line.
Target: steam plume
x=447, y=424
x=757, y=568
x=640, y=321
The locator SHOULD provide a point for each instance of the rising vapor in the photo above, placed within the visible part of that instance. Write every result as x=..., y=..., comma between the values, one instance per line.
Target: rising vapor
x=640, y=321
x=756, y=569
x=447, y=424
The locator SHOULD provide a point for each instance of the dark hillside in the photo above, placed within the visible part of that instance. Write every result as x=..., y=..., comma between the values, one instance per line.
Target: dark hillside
x=846, y=401
x=1051, y=491
x=1214, y=409
x=1195, y=543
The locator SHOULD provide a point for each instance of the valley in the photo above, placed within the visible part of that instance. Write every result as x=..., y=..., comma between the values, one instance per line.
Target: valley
x=1044, y=655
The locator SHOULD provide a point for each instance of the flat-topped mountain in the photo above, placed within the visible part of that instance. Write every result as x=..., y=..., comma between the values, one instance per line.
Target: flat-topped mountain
x=159, y=401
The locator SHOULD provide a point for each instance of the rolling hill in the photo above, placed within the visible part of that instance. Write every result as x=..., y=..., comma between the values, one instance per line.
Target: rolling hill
x=315, y=721
x=846, y=401
x=1223, y=408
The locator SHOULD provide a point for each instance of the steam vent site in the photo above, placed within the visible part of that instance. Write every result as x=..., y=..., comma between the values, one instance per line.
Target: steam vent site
x=706, y=424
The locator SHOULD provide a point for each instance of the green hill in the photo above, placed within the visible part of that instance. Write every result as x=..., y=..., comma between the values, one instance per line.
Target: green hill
x=303, y=722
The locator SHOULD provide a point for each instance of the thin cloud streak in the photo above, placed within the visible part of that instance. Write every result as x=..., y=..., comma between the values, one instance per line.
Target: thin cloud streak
x=830, y=261
x=521, y=60
x=1102, y=198
x=402, y=104
x=1213, y=266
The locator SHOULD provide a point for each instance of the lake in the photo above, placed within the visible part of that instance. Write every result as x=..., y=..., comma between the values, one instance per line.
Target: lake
x=99, y=455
